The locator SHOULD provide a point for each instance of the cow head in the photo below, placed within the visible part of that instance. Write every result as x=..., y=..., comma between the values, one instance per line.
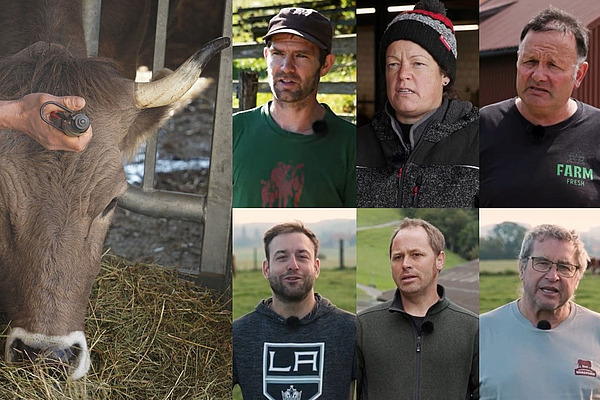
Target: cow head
x=56, y=207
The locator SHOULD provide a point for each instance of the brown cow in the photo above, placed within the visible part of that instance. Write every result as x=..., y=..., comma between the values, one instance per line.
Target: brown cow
x=55, y=207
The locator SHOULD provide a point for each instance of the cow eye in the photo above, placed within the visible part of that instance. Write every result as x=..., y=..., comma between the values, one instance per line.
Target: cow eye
x=110, y=206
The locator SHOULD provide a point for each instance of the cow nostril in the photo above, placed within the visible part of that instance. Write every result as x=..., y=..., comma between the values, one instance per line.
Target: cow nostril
x=52, y=356
x=23, y=352
x=67, y=356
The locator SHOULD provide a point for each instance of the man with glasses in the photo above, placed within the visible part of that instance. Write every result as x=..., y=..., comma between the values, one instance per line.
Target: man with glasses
x=543, y=345
x=540, y=148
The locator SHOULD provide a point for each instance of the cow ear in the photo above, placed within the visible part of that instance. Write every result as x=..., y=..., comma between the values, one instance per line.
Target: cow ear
x=145, y=125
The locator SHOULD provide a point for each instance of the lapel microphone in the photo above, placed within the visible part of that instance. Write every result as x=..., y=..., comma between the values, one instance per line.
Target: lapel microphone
x=292, y=322
x=320, y=127
x=538, y=133
x=427, y=327
x=544, y=325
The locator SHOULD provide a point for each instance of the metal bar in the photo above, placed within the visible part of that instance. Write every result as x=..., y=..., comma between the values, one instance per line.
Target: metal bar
x=91, y=25
x=160, y=44
x=216, y=250
x=160, y=41
x=147, y=200
x=163, y=204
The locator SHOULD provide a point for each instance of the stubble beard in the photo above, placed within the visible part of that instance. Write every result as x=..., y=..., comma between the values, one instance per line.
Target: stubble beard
x=288, y=294
x=294, y=96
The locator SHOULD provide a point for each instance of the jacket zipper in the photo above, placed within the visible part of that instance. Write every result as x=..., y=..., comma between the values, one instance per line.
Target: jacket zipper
x=418, y=182
x=417, y=392
x=399, y=197
x=415, y=200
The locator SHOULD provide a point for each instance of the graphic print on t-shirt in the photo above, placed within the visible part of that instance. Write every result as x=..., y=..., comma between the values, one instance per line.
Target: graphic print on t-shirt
x=284, y=186
x=293, y=370
x=575, y=170
x=584, y=367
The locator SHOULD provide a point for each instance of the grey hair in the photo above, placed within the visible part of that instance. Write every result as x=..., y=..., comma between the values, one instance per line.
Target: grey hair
x=547, y=231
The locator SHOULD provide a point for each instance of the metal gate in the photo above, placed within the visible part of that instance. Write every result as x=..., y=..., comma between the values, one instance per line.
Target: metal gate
x=213, y=212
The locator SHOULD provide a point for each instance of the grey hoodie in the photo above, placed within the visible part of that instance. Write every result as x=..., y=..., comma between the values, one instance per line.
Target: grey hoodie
x=274, y=357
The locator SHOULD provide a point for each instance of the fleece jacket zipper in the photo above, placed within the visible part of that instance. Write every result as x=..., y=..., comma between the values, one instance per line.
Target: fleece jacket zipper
x=418, y=182
x=417, y=394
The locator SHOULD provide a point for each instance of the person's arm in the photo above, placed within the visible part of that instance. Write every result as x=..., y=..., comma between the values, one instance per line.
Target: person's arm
x=23, y=115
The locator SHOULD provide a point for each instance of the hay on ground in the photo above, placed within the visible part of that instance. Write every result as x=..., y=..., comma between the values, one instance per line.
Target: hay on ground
x=151, y=335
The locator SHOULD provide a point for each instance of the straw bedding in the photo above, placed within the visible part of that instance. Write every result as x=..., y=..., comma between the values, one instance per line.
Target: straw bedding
x=151, y=335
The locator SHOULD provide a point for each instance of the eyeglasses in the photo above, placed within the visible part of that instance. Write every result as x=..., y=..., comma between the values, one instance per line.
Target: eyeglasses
x=544, y=265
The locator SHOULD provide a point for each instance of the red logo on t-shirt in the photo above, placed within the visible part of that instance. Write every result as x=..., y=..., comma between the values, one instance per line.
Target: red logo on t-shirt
x=584, y=367
x=285, y=185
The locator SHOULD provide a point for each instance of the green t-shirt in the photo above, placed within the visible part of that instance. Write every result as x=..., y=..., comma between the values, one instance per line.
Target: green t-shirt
x=276, y=168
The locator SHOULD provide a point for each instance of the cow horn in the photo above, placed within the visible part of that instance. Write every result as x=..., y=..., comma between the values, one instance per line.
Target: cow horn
x=170, y=88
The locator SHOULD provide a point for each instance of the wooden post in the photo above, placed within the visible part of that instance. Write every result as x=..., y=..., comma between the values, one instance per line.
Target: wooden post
x=215, y=260
x=341, y=253
x=247, y=89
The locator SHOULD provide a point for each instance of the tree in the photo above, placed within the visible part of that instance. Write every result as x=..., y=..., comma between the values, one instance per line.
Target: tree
x=459, y=226
x=504, y=242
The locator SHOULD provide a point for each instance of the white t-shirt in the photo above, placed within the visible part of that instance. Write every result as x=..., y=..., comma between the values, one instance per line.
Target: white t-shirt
x=520, y=361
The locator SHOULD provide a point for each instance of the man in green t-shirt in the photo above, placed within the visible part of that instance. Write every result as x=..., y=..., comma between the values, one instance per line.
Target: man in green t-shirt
x=294, y=151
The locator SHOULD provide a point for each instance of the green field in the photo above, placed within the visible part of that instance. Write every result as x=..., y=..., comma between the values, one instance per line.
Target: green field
x=369, y=217
x=499, y=266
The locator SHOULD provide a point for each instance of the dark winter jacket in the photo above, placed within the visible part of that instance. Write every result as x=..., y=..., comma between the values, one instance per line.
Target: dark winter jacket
x=397, y=360
x=438, y=169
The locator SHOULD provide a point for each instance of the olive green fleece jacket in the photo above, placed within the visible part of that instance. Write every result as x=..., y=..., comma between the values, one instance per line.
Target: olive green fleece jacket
x=396, y=361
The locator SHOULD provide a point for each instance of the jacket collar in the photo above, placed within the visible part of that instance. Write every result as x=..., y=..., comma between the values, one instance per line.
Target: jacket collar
x=417, y=129
x=442, y=303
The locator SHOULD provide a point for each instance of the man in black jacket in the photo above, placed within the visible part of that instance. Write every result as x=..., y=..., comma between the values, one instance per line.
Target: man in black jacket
x=422, y=149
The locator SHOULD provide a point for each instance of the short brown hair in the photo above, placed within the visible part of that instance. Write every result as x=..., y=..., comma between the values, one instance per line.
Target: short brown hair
x=289, y=227
x=436, y=237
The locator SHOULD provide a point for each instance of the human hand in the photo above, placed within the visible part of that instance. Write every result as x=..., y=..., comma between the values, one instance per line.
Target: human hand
x=28, y=121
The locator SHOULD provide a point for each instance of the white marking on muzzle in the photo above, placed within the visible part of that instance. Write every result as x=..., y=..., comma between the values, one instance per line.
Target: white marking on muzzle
x=36, y=340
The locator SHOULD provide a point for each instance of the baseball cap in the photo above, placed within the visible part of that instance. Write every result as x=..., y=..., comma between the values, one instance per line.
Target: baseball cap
x=306, y=23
